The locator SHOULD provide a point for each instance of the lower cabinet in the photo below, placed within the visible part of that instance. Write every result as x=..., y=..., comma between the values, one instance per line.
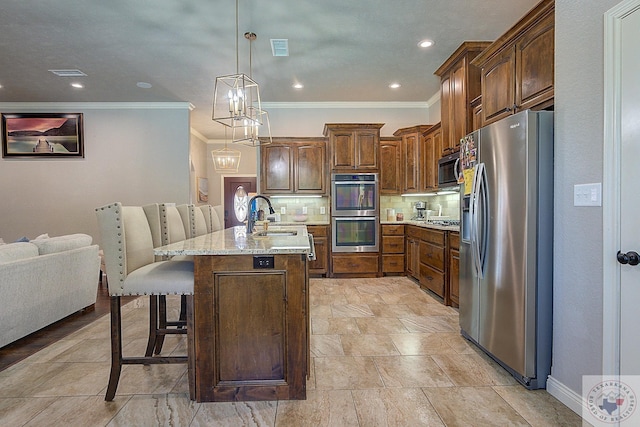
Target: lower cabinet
x=355, y=265
x=392, y=249
x=454, y=268
x=432, y=261
x=412, y=252
x=321, y=242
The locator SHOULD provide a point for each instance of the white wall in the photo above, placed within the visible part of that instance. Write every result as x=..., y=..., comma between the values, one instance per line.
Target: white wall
x=577, y=338
x=135, y=154
x=300, y=119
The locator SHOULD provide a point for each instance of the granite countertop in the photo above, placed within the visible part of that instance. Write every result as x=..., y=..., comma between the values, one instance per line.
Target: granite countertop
x=423, y=224
x=236, y=241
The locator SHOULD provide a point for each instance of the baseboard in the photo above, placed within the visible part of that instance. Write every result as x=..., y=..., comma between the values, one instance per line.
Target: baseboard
x=565, y=395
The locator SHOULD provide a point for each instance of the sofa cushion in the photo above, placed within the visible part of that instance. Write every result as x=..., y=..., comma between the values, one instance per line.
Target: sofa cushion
x=17, y=251
x=62, y=243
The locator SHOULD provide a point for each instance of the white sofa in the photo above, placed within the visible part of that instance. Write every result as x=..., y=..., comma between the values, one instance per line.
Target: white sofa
x=45, y=280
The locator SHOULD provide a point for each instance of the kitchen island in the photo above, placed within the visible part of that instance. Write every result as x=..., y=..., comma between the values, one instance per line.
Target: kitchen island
x=250, y=316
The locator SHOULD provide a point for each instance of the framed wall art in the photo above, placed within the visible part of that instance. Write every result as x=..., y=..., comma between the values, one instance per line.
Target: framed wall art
x=42, y=135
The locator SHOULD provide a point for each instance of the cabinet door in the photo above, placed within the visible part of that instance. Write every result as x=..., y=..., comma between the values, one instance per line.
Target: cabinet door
x=342, y=150
x=390, y=167
x=446, y=115
x=277, y=176
x=366, y=146
x=458, y=110
x=535, y=65
x=454, y=276
x=430, y=155
x=310, y=170
x=498, y=83
x=320, y=264
x=410, y=151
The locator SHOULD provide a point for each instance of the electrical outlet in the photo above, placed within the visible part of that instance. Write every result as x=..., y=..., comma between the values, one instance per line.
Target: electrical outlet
x=323, y=210
x=283, y=210
x=304, y=210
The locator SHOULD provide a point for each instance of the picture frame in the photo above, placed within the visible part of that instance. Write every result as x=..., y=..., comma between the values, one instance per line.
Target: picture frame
x=42, y=135
x=203, y=190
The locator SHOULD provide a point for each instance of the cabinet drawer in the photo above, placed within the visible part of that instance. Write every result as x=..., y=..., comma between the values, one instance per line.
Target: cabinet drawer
x=433, y=236
x=394, y=229
x=413, y=231
x=355, y=264
x=318, y=230
x=393, y=244
x=454, y=240
x=392, y=263
x=432, y=255
x=432, y=279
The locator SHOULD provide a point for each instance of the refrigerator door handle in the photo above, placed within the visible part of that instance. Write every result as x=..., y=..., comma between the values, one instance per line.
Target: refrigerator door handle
x=482, y=222
x=473, y=213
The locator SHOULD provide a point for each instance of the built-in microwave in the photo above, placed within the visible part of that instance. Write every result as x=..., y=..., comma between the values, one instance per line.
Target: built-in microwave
x=448, y=171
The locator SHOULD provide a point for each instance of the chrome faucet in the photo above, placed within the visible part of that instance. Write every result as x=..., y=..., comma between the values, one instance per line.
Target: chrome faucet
x=251, y=221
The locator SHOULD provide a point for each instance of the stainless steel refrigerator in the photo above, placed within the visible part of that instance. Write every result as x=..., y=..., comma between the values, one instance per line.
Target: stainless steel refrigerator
x=506, y=243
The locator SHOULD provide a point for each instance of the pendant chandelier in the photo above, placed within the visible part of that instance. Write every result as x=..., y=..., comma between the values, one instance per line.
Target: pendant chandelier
x=236, y=103
x=224, y=159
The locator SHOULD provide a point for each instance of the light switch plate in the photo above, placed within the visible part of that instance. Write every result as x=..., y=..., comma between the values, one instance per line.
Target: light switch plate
x=587, y=194
x=322, y=210
x=283, y=210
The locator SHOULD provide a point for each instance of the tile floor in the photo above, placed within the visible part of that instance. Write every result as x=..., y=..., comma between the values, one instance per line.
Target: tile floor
x=384, y=353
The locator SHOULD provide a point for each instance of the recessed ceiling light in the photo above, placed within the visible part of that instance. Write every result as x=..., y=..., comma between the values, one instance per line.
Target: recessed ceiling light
x=298, y=86
x=426, y=43
x=394, y=85
x=143, y=85
x=77, y=85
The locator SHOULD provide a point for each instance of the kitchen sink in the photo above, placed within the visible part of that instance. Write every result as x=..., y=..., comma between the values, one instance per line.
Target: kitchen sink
x=274, y=233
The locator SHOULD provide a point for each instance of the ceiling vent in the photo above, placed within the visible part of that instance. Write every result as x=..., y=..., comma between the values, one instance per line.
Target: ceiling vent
x=68, y=73
x=280, y=47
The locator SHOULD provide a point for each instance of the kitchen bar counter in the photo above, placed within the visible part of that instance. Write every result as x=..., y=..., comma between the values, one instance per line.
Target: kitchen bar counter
x=250, y=317
x=236, y=241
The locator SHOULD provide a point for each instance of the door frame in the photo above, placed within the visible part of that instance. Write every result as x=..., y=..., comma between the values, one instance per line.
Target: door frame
x=611, y=197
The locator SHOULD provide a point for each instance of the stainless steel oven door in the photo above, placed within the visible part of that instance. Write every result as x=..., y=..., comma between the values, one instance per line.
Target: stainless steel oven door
x=355, y=234
x=354, y=194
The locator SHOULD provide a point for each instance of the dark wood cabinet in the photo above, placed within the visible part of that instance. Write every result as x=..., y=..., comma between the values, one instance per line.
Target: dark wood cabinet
x=412, y=251
x=517, y=70
x=354, y=146
x=320, y=266
x=432, y=261
x=393, y=249
x=294, y=166
x=412, y=157
x=459, y=85
x=390, y=166
x=454, y=268
x=432, y=148
x=251, y=339
x=355, y=265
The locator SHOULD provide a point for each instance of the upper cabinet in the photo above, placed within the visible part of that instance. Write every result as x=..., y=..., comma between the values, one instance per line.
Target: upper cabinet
x=390, y=166
x=354, y=146
x=459, y=85
x=412, y=144
x=517, y=70
x=294, y=166
x=430, y=156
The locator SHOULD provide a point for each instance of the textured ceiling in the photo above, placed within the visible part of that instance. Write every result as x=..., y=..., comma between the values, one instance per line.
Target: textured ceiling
x=342, y=51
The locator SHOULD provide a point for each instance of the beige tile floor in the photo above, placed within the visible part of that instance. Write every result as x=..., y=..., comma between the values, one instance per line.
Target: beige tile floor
x=384, y=353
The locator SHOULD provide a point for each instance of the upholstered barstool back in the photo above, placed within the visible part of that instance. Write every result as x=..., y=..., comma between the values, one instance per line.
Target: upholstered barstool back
x=211, y=218
x=195, y=219
x=173, y=228
x=128, y=249
x=219, y=210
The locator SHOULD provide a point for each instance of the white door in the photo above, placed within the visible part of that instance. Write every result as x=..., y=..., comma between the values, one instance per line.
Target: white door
x=629, y=185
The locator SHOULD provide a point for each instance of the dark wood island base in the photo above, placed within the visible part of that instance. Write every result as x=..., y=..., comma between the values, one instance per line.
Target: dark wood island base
x=251, y=328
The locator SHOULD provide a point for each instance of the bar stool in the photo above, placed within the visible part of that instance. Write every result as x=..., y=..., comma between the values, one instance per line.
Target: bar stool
x=132, y=270
x=211, y=218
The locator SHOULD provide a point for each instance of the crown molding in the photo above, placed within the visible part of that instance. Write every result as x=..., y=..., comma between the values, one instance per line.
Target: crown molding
x=435, y=98
x=95, y=106
x=334, y=105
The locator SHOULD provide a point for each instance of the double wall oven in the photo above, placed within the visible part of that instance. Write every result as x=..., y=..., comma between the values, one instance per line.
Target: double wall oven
x=355, y=212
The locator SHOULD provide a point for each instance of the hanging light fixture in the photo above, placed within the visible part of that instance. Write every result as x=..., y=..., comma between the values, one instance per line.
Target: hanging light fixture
x=236, y=102
x=224, y=159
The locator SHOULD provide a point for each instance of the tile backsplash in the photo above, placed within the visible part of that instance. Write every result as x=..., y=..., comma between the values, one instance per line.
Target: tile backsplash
x=405, y=204
x=317, y=207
